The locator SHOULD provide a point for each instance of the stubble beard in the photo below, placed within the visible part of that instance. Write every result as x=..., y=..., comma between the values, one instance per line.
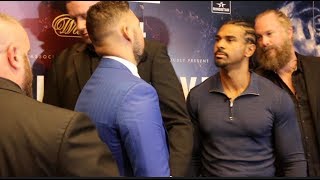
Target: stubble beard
x=137, y=49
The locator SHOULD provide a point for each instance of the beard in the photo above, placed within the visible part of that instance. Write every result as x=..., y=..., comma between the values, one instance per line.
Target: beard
x=220, y=64
x=138, y=48
x=27, y=82
x=217, y=62
x=278, y=59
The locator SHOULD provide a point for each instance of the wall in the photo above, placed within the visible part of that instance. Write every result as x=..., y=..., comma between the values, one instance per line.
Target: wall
x=187, y=28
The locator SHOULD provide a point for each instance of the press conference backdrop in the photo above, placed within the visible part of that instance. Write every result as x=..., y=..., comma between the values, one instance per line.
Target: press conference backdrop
x=187, y=28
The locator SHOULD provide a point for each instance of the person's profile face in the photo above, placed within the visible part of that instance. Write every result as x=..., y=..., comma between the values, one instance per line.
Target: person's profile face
x=78, y=11
x=138, y=44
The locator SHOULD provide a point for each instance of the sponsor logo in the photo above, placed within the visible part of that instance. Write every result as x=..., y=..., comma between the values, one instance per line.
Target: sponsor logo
x=221, y=7
x=65, y=26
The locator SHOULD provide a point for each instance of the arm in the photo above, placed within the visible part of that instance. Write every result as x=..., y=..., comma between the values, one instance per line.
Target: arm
x=142, y=132
x=288, y=141
x=82, y=153
x=196, y=154
x=173, y=108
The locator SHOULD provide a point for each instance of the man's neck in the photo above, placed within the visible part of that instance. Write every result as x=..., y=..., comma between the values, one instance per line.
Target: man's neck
x=289, y=68
x=234, y=82
x=285, y=73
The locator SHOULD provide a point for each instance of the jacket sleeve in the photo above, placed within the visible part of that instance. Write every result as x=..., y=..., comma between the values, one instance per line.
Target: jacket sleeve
x=142, y=132
x=173, y=109
x=82, y=153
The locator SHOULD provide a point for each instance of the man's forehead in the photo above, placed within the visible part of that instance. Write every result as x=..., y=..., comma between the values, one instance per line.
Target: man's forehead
x=77, y=8
x=231, y=30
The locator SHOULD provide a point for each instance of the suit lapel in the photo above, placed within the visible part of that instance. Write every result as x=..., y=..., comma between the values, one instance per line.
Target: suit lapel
x=82, y=64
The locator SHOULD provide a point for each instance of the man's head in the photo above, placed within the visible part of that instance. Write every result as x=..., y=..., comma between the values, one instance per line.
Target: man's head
x=14, y=49
x=275, y=39
x=235, y=42
x=115, y=30
x=78, y=11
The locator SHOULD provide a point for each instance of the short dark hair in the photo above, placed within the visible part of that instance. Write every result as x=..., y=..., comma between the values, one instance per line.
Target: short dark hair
x=102, y=16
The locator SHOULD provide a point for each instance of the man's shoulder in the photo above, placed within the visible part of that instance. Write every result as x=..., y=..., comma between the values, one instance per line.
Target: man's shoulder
x=72, y=50
x=205, y=86
x=134, y=82
x=39, y=111
x=153, y=45
x=115, y=79
x=309, y=60
x=53, y=111
x=266, y=85
x=135, y=85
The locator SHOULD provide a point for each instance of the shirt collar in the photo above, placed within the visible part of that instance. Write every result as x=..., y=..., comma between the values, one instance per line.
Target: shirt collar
x=132, y=67
x=251, y=89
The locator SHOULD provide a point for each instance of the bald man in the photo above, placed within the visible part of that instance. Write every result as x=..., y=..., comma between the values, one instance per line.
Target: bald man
x=38, y=139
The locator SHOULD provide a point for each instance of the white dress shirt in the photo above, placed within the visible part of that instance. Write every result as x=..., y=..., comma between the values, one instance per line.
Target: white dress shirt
x=132, y=67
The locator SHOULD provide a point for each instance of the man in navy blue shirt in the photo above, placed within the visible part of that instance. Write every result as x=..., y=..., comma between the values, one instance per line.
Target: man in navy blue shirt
x=242, y=120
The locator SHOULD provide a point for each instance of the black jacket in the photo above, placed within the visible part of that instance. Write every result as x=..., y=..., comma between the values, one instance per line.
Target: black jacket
x=37, y=139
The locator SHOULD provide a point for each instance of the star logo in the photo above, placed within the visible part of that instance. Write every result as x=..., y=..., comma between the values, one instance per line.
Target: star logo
x=221, y=7
x=221, y=4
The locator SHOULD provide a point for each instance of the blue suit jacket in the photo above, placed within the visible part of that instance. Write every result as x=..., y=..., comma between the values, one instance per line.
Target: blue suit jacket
x=125, y=110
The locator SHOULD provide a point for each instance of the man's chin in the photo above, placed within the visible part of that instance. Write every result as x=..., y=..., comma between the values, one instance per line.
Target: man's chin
x=86, y=40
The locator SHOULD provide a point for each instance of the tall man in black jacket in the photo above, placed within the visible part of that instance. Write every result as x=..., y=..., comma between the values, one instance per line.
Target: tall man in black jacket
x=296, y=74
x=73, y=67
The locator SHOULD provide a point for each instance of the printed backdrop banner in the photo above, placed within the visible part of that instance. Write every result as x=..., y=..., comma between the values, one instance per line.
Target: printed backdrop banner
x=187, y=28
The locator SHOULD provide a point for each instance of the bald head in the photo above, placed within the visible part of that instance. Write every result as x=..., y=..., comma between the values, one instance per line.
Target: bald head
x=12, y=33
x=14, y=48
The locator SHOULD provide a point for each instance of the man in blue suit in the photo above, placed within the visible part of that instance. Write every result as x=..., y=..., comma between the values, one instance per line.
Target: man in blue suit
x=125, y=108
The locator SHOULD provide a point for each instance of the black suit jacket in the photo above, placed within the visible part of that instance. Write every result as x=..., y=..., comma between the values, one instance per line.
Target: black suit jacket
x=37, y=139
x=73, y=67
x=311, y=71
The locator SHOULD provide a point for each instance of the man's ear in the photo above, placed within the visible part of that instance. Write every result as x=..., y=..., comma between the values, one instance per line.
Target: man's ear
x=13, y=59
x=250, y=50
x=127, y=33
